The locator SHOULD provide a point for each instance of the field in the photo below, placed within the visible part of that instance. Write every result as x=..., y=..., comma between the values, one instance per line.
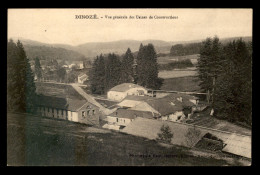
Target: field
x=38, y=141
x=188, y=84
x=169, y=59
x=176, y=73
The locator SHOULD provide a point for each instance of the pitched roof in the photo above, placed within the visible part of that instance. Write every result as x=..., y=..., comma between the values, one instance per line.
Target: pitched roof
x=125, y=87
x=129, y=103
x=60, y=103
x=185, y=98
x=138, y=98
x=165, y=106
x=82, y=74
x=235, y=143
x=149, y=128
x=131, y=114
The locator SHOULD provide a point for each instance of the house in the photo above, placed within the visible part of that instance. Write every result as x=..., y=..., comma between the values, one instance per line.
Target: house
x=76, y=64
x=123, y=117
x=149, y=129
x=119, y=92
x=167, y=108
x=186, y=99
x=82, y=78
x=74, y=110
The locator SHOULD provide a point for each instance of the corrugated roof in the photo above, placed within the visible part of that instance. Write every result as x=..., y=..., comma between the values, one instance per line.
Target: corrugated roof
x=125, y=87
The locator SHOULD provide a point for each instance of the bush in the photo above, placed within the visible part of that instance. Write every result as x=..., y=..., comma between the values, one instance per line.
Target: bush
x=165, y=135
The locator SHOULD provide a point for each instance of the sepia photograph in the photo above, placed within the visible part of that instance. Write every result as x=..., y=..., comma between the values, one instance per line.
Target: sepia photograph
x=129, y=87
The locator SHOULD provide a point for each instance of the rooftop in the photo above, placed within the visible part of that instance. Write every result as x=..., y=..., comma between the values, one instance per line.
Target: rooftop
x=125, y=87
x=131, y=114
x=60, y=103
x=165, y=106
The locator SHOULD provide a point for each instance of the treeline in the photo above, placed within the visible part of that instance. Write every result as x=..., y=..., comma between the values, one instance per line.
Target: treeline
x=111, y=70
x=48, y=53
x=188, y=49
x=21, y=94
x=226, y=72
x=176, y=65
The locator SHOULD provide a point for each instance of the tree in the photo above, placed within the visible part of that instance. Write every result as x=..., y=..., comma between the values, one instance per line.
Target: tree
x=226, y=71
x=21, y=94
x=112, y=71
x=97, y=76
x=38, y=69
x=209, y=65
x=61, y=72
x=165, y=134
x=147, y=68
x=71, y=77
x=234, y=85
x=127, y=73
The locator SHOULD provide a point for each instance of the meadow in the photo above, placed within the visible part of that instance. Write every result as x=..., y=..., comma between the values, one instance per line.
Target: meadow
x=39, y=141
x=169, y=59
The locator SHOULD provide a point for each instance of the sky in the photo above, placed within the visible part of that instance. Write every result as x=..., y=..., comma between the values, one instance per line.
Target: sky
x=55, y=26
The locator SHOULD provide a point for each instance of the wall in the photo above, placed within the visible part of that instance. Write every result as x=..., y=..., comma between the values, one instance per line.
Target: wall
x=118, y=121
x=75, y=117
x=174, y=117
x=47, y=112
x=117, y=96
x=124, y=121
x=134, y=91
x=90, y=117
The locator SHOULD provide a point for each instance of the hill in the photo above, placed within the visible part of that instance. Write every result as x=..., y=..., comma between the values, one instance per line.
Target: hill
x=92, y=49
x=46, y=52
x=119, y=47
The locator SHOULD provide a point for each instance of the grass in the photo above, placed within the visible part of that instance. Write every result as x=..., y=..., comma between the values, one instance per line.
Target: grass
x=169, y=59
x=176, y=73
x=41, y=141
x=189, y=84
x=58, y=90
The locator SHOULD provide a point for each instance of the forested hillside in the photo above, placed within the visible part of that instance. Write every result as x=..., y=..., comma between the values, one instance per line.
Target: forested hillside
x=44, y=52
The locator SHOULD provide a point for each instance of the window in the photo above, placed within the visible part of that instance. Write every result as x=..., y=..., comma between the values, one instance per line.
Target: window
x=116, y=119
x=93, y=112
x=83, y=113
x=88, y=112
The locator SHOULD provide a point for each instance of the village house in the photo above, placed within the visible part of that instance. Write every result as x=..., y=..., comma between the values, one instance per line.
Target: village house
x=119, y=92
x=123, y=116
x=82, y=78
x=76, y=64
x=176, y=107
x=74, y=110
